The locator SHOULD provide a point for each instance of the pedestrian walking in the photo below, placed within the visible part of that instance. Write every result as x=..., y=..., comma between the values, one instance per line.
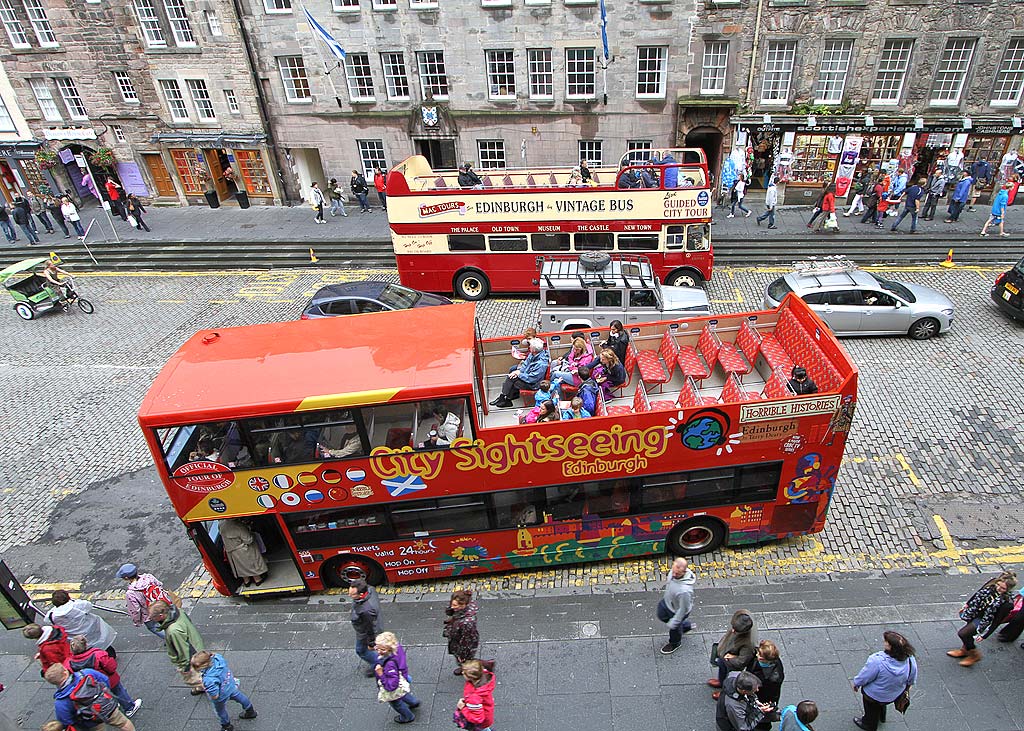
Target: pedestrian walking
x=861, y=188
x=83, y=700
x=359, y=189
x=475, y=709
x=998, y=215
x=983, y=612
x=828, y=210
x=135, y=209
x=5, y=223
x=959, y=199
x=380, y=182
x=1015, y=620
x=738, y=706
x=316, y=199
x=912, y=202
x=460, y=627
x=771, y=200
x=767, y=667
x=221, y=686
x=365, y=619
x=676, y=603
x=817, y=206
x=53, y=207
x=936, y=190
x=871, y=199
x=116, y=195
x=886, y=676
x=394, y=684
x=77, y=618
x=740, y=189
x=70, y=212
x=84, y=657
x=799, y=717
x=23, y=202
x=21, y=216
x=143, y=590
x=38, y=206
x=337, y=197
x=183, y=641
x=53, y=643
x=735, y=649
x=981, y=173
x=897, y=184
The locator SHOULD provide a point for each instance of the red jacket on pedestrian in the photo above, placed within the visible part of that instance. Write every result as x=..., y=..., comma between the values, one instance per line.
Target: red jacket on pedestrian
x=112, y=191
x=828, y=203
x=479, y=708
x=95, y=659
x=54, y=646
x=380, y=182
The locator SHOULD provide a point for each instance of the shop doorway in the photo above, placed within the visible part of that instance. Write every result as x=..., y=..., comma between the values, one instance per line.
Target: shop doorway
x=309, y=167
x=8, y=181
x=708, y=139
x=217, y=160
x=161, y=178
x=440, y=153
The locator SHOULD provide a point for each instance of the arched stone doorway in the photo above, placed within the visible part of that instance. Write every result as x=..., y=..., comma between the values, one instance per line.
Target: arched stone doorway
x=77, y=170
x=708, y=139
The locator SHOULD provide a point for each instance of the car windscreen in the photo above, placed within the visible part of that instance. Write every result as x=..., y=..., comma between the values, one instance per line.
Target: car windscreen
x=779, y=289
x=399, y=298
x=1020, y=267
x=896, y=288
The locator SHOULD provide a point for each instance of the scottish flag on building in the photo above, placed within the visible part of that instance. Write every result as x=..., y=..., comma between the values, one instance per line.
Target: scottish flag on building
x=318, y=30
x=404, y=484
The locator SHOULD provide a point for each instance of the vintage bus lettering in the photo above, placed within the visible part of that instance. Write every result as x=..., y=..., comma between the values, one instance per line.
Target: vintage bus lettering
x=593, y=205
x=542, y=229
x=622, y=205
x=485, y=207
x=465, y=229
x=505, y=229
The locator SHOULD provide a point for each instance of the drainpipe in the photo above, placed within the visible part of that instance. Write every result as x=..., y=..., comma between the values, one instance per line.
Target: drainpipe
x=261, y=102
x=753, y=53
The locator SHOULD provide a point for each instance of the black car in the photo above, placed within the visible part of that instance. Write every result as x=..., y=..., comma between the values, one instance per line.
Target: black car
x=1008, y=292
x=357, y=298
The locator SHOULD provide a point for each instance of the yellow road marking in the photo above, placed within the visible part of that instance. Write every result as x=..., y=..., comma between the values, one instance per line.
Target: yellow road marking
x=914, y=479
x=171, y=302
x=40, y=588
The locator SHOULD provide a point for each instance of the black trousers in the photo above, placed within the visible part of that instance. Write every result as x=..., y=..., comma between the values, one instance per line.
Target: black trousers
x=966, y=634
x=874, y=712
x=870, y=212
x=930, y=205
x=511, y=387
x=1013, y=628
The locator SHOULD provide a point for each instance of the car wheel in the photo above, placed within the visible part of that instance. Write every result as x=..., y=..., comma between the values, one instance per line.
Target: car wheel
x=472, y=286
x=693, y=537
x=25, y=312
x=341, y=571
x=684, y=278
x=926, y=327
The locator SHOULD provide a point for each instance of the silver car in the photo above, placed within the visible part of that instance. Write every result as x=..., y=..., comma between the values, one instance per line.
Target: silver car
x=852, y=301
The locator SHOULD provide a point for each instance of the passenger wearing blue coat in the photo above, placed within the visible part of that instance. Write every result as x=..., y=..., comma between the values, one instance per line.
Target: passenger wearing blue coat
x=221, y=686
x=883, y=679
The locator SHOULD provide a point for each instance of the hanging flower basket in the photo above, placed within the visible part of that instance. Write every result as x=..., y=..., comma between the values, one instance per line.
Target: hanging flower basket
x=103, y=158
x=46, y=158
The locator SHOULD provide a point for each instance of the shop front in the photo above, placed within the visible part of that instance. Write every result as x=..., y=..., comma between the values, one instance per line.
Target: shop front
x=212, y=170
x=815, y=152
x=20, y=173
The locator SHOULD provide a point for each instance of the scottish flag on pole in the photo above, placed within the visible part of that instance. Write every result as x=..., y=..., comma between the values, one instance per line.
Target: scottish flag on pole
x=336, y=50
x=604, y=32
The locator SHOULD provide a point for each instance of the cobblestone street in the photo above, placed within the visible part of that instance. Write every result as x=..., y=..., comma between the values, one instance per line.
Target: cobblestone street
x=933, y=435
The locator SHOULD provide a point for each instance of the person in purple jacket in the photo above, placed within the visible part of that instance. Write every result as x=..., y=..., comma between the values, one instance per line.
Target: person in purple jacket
x=391, y=669
x=883, y=679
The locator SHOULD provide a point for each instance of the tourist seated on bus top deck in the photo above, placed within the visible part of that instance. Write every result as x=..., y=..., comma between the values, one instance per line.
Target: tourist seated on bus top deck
x=575, y=179
x=617, y=341
x=545, y=392
x=433, y=441
x=575, y=410
x=565, y=370
x=801, y=383
x=467, y=178
x=339, y=440
x=522, y=349
x=649, y=178
x=630, y=179
x=291, y=446
x=608, y=372
x=588, y=389
x=671, y=175
x=524, y=376
x=543, y=411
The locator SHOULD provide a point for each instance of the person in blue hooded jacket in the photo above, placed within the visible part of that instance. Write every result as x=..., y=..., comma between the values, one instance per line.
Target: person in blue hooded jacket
x=799, y=717
x=527, y=375
x=221, y=686
x=671, y=175
x=999, y=204
x=883, y=679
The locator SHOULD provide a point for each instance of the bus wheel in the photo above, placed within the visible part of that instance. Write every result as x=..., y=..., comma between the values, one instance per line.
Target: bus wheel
x=684, y=278
x=695, y=536
x=340, y=571
x=472, y=286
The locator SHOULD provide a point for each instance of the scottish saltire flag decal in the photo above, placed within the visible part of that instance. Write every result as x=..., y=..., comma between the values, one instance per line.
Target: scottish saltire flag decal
x=404, y=485
x=336, y=50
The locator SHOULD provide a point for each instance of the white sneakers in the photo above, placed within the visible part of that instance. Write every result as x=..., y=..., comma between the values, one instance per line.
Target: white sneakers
x=134, y=709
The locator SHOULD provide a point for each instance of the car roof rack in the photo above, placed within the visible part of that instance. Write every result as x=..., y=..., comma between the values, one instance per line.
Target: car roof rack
x=816, y=268
x=620, y=268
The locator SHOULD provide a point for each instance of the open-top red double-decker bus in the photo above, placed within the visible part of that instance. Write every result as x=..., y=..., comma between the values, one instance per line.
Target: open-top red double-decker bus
x=316, y=433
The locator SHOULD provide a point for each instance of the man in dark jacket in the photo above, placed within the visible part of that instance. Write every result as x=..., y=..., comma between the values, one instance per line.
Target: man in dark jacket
x=801, y=383
x=5, y=223
x=359, y=189
x=23, y=217
x=738, y=707
x=588, y=390
x=468, y=178
x=365, y=620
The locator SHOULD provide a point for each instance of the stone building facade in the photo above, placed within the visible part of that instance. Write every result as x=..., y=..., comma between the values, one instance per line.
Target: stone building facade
x=495, y=82
x=819, y=90
x=164, y=85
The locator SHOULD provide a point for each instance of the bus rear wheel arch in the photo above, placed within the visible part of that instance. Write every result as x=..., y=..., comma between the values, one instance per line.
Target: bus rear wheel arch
x=696, y=536
x=684, y=278
x=341, y=571
x=471, y=285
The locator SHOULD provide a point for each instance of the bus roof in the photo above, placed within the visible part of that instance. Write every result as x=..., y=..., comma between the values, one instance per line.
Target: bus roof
x=262, y=370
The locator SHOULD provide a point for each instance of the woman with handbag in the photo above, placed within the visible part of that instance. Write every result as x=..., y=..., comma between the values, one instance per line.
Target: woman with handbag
x=393, y=682
x=735, y=650
x=475, y=709
x=984, y=611
x=885, y=678
x=460, y=627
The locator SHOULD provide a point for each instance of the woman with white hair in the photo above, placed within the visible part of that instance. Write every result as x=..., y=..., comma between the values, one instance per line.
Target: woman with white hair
x=526, y=375
x=393, y=680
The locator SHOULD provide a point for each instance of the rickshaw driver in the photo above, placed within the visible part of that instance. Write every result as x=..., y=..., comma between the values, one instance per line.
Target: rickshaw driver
x=52, y=274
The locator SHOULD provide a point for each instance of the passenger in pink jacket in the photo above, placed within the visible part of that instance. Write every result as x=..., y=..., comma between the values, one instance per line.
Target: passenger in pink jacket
x=143, y=590
x=477, y=701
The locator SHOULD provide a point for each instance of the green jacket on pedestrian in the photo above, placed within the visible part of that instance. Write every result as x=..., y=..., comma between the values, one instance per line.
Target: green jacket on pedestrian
x=183, y=640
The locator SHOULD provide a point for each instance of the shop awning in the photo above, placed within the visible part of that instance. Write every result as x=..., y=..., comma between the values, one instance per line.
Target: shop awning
x=221, y=139
x=883, y=123
x=11, y=149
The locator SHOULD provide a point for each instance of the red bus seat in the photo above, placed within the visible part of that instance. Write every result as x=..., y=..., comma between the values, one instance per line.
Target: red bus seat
x=398, y=437
x=600, y=409
x=507, y=181
x=749, y=341
x=732, y=391
x=487, y=181
x=691, y=363
x=439, y=183
x=708, y=344
x=690, y=396
x=725, y=354
x=777, y=386
x=593, y=176
x=552, y=180
x=530, y=181
x=775, y=354
x=648, y=361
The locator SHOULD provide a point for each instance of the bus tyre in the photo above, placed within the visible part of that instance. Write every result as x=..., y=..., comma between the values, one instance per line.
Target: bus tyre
x=926, y=327
x=693, y=537
x=684, y=278
x=472, y=286
x=340, y=571
x=25, y=312
x=595, y=261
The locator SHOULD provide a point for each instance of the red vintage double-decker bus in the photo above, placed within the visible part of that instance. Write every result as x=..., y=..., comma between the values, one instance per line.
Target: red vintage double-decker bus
x=317, y=434
x=486, y=238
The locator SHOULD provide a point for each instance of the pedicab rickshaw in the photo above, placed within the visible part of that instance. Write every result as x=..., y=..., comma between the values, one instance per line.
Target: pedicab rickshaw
x=34, y=294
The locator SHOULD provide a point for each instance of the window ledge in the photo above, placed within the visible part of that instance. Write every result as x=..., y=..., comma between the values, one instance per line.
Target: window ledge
x=579, y=3
x=363, y=101
x=1004, y=104
x=29, y=51
x=170, y=51
x=787, y=3
x=495, y=4
x=385, y=8
x=909, y=2
x=347, y=11
x=655, y=2
x=848, y=3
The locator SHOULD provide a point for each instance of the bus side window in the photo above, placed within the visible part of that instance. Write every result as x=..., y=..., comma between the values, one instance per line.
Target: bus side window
x=515, y=508
x=466, y=242
x=594, y=242
x=391, y=425
x=675, y=237
x=638, y=242
x=571, y=502
x=550, y=242
x=507, y=243
x=698, y=237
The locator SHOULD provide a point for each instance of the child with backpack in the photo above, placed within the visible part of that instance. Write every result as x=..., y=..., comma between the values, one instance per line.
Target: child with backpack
x=83, y=699
x=84, y=658
x=143, y=590
x=52, y=642
x=221, y=686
